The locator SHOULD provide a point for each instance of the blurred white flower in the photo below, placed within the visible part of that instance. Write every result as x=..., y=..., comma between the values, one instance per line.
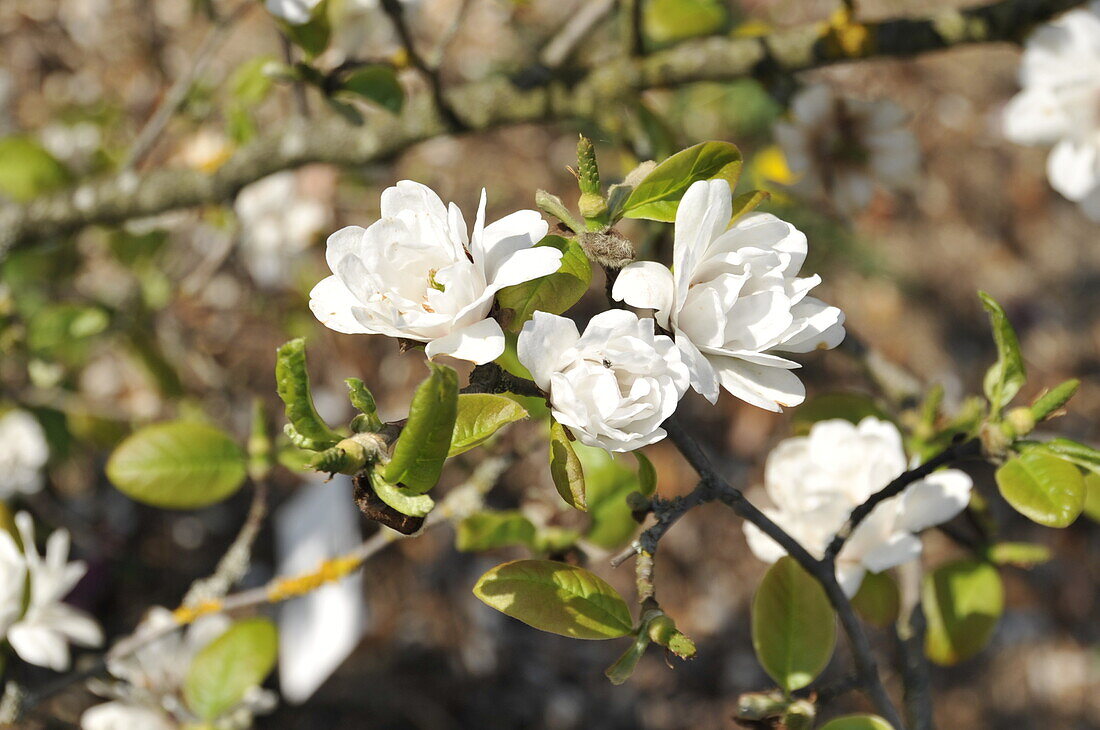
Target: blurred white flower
x=735, y=299
x=278, y=222
x=42, y=634
x=416, y=274
x=614, y=385
x=295, y=12
x=206, y=150
x=1060, y=104
x=23, y=453
x=319, y=630
x=842, y=147
x=816, y=481
x=148, y=694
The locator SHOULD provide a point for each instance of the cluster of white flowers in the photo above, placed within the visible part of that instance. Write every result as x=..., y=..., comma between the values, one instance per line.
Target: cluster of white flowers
x=734, y=303
x=33, y=617
x=23, y=453
x=149, y=693
x=841, y=148
x=816, y=481
x=1060, y=104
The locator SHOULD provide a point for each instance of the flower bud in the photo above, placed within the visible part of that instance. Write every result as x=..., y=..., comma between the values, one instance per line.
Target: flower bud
x=1020, y=421
x=611, y=249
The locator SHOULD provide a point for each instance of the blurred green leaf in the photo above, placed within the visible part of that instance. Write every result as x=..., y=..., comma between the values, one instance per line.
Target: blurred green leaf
x=28, y=170
x=1005, y=378
x=962, y=601
x=670, y=21
x=178, y=465
x=1042, y=487
x=608, y=481
x=878, y=599
x=647, y=475
x=556, y=597
x=1083, y=456
x=377, y=83
x=1019, y=554
x=1092, y=496
x=554, y=293
x=1050, y=402
x=851, y=407
x=748, y=202
x=250, y=84
x=793, y=625
x=226, y=668
x=658, y=195
x=425, y=441
x=858, y=722
x=565, y=468
x=480, y=415
x=491, y=529
x=292, y=383
x=312, y=37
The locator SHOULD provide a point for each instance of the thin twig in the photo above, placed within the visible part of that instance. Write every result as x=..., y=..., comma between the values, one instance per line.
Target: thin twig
x=633, y=32
x=234, y=563
x=560, y=48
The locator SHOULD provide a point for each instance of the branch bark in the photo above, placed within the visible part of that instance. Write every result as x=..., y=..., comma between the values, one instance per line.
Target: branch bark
x=497, y=102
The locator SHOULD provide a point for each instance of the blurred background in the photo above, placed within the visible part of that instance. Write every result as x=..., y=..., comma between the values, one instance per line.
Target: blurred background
x=181, y=314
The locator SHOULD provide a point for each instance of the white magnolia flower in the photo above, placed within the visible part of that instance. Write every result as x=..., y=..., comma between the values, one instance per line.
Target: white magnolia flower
x=614, y=385
x=277, y=222
x=842, y=147
x=416, y=273
x=42, y=634
x=295, y=12
x=735, y=300
x=149, y=693
x=1060, y=104
x=23, y=453
x=816, y=481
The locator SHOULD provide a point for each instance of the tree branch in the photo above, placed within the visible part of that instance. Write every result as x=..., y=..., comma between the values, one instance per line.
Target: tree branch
x=497, y=102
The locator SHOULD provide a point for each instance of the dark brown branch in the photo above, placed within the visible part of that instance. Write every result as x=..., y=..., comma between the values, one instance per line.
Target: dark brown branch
x=913, y=665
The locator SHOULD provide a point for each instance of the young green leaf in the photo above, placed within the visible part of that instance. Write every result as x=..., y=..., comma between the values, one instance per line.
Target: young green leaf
x=878, y=599
x=962, y=601
x=363, y=401
x=1092, y=496
x=229, y=666
x=490, y=529
x=608, y=483
x=748, y=202
x=178, y=465
x=1083, y=456
x=658, y=196
x=647, y=474
x=1005, y=378
x=312, y=37
x=857, y=722
x=425, y=441
x=1043, y=487
x=625, y=665
x=670, y=21
x=1020, y=554
x=556, y=597
x=793, y=625
x=27, y=169
x=377, y=83
x=405, y=501
x=1050, y=402
x=480, y=415
x=292, y=383
x=554, y=293
x=565, y=468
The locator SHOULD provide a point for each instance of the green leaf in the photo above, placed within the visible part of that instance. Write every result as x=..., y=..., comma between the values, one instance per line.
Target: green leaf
x=748, y=202
x=878, y=599
x=852, y=407
x=857, y=722
x=1020, y=554
x=793, y=625
x=1042, y=487
x=377, y=83
x=250, y=84
x=554, y=293
x=313, y=36
x=625, y=665
x=647, y=475
x=480, y=415
x=491, y=529
x=962, y=601
x=669, y=21
x=292, y=383
x=565, y=468
x=556, y=597
x=1092, y=496
x=608, y=482
x=1008, y=374
x=226, y=668
x=1083, y=456
x=405, y=501
x=178, y=465
x=425, y=441
x=1050, y=402
x=658, y=195
x=27, y=170
x=363, y=401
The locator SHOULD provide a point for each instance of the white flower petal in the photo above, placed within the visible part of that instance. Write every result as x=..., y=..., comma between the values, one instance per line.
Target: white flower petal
x=541, y=344
x=765, y=387
x=479, y=343
x=1074, y=168
x=646, y=285
x=119, y=715
x=934, y=500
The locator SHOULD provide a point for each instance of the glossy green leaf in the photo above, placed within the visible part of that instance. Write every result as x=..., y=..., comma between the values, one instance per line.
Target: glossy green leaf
x=28, y=170
x=490, y=529
x=565, y=468
x=425, y=441
x=658, y=196
x=292, y=383
x=852, y=407
x=405, y=501
x=556, y=597
x=554, y=293
x=670, y=21
x=377, y=83
x=793, y=625
x=962, y=602
x=857, y=722
x=647, y=474
x=178, y=465
x=226, y=668
x=1051, y=402
x=748, y=202
x=363, y=401
x=878, y=599
x=480, y=415
x=1005, y=378
x=1083, y=456
x=1042, y=487
x=1092, y=496
x=608, y=481
x=1020, y=554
